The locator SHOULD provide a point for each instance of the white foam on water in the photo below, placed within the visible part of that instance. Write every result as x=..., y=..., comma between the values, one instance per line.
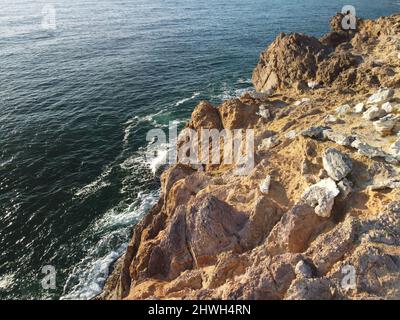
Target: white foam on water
x=95, y=185
x=114, y=218
x=244, y=81
x=6, y=162
x=6, y=281
x=160, y=159
x=232, y=93
x=194, y=96
x=88, y=277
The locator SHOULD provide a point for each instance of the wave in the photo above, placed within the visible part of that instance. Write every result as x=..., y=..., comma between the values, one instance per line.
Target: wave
x=194, y=96
x=244, y=81
x=6, y=281
x=231, y=93
x=88, y=277
x=95, y=185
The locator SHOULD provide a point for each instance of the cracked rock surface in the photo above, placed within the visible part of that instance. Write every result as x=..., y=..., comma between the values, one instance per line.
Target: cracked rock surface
x=322, y=202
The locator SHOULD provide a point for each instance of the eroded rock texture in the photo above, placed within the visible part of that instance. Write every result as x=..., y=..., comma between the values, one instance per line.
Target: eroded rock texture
x=319, y=215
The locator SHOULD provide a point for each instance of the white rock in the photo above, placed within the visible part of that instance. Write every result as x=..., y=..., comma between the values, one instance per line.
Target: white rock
x=261, y=95
x=346, y=187
x=359, y=108
x=302, y=101
x=313, y=84
x=303, y=270
x=331, y=119
x=387, y=106
x=344, y=109
x=373, y=113
x=382, y=95
x=322, y=196
x=336, y=164
x=269, y=143
x=367, y=150
x=386, y=124
x=264, y=112
x=339, y=138
x=291, y=135
x=265, y=185
x=395, y=149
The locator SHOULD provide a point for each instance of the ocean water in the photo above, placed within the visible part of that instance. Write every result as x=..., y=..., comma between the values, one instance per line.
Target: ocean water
x=77, y=101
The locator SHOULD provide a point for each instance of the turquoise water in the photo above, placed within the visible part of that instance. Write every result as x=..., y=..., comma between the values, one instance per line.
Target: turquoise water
x=76, y=104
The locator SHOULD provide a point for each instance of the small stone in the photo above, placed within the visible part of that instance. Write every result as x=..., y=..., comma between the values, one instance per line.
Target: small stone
x=387, y=106
x=315, y=132
x=382, y=95
x=331, y=119
x=313, y=84
x=367, y=150
x=291, y=134
x=261, y=95
x=264, y=112
x=303, y=269
x=395, y=149
x=359, y=108
x=322, y=196
x=346, y=187
x=392, y=183
x=336, y=164
x=343, y=110
x=373, y=113
x=386, y=124
x=302, y=101
x=269, y=143
x=339, y=138
x=265, y=185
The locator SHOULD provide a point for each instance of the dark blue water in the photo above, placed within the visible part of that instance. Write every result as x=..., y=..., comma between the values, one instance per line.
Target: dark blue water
x=76, y=104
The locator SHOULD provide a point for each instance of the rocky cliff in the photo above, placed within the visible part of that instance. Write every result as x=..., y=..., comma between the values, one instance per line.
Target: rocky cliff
x=319, y=216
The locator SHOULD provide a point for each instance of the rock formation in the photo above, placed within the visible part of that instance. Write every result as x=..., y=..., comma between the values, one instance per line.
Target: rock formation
x=319, y=215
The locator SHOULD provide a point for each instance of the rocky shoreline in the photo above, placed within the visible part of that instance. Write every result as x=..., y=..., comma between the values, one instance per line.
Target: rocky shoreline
x=323, y=201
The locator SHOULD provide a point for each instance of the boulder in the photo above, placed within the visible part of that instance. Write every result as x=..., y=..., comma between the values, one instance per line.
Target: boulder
x=388, y=107
x=330, y=69
x=359, y=108
x=315, y=132
x=205, y=116
x=304, y=270
x=265, y=185
x=288, y=60
x=321, y=196
x=237, y=115
x=395, y=149
x=367, y=150
x=343, y=110
x=292, y=233
x=269, y=143
x=336, y=164
x=381, y=96
x=212, y=228
x=263, y=112
x=339, y=138
x=385, y=125
x=373, y=113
